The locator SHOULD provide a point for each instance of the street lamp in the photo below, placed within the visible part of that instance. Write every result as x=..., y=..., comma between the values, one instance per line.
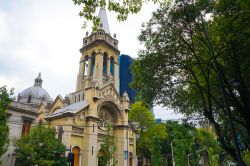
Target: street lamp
x=172, y=149
x=198, y=151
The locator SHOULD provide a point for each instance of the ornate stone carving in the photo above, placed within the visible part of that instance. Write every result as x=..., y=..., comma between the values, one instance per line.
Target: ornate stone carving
x=104, y=119
x=109, y=94
x=77, y=130
x=79, y=116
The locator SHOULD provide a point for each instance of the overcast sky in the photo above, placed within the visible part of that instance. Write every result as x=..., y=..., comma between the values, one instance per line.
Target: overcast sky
x=45, y=36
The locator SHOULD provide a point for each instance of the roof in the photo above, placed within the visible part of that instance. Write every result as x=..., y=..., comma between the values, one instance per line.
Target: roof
x=36, y=92
x=72, y=108
x=103, y=20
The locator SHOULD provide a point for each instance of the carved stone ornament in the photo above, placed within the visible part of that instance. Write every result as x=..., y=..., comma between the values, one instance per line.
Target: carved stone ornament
x=109, y=94
x=77, y=130
x=110, y=77
x=79, y=116
x=104, y=119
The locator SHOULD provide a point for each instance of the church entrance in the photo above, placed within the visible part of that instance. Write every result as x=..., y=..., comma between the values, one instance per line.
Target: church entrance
x=76, y=154
x=100, y=157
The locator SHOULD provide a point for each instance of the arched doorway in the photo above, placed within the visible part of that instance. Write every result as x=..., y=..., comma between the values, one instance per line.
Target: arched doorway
x=100, y=157
x=76, y=155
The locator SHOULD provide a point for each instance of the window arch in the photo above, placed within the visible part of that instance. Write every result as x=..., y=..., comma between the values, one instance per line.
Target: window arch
x=29, y=99
x=92, y=63
x=105, y=60
x=112, y=65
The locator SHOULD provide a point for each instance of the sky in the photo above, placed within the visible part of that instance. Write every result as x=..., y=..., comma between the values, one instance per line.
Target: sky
x=46, y=35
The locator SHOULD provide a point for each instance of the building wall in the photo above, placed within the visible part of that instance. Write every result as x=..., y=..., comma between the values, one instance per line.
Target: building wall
x=126, y=76
x=15, y=123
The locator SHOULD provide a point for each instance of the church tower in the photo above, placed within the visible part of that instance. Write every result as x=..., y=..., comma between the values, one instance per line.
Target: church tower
x=99, y=59
x=81, y=118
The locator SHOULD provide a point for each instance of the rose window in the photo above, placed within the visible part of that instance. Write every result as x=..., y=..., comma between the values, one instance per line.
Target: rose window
x=104, y=119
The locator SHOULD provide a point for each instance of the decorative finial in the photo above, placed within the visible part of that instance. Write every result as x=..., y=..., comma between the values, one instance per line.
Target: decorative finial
x=38, y=80
x=115, y=35
x=87, y=33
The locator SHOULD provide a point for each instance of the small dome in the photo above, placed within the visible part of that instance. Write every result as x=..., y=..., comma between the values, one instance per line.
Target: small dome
x=35, y=94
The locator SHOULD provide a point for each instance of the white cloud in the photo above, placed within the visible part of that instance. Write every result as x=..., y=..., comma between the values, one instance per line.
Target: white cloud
x=45, y=36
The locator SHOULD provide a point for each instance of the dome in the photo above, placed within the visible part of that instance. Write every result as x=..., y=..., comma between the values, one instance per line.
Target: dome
x=34, y=94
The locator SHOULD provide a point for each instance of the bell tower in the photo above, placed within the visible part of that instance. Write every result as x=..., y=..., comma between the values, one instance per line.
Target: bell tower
x=99, y=57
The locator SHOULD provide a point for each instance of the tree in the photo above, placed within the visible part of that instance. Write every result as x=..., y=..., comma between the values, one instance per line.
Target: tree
x=108, y=148
x=188, y=141
x=150, y=135
x=40, y=147
x=122, y=8
x=149, y=144
x=192, y=63
x=5, y=100
x=141, y=116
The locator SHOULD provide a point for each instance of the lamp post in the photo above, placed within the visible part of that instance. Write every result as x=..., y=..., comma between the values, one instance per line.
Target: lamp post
x=198, y=151
x=188, y=159
x=172, y=149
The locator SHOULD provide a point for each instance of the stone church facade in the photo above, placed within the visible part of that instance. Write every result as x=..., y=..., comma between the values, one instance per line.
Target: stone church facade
x=80, y=118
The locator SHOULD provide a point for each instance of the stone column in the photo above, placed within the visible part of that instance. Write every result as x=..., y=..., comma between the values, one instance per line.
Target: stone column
x=116, y=75
x=89, y=67
x=108, y=65
x=80, y=75
x=95, y=72
x=100, y=68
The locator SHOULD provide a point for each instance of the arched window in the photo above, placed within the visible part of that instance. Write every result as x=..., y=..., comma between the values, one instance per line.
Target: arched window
x=85, y=72
x=79, y=97
x=83, y=96
x=105, y=59
x=112, y=65
x=29, y=99
x=92, y=63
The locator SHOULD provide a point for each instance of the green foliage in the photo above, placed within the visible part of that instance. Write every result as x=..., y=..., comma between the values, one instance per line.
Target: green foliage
x=246, y=157
x=141, y=116
x=196, y=61
x=40, y=147
x=188, y=140
x=149, y=143
x=5, y=100
x=108, y=148
x=121, y=7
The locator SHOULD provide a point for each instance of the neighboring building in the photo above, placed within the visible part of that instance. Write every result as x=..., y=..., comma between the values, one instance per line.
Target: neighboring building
x=126, y=77
x=81, y=117
x=22, y=114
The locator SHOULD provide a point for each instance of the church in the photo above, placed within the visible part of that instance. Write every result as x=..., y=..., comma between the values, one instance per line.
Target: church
x=79, y=119
x=83, y=114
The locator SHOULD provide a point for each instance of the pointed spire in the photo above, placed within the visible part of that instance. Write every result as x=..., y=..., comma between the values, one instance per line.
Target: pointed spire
x=38, y=80
x=103, y=20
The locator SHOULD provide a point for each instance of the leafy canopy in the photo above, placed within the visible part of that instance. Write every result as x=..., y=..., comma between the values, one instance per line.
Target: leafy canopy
x=140, y=115
x=40, y=147
x=121, y=7
x=5, y=100
x=196, y=61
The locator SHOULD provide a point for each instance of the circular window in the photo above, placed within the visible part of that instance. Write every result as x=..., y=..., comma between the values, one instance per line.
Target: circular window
x=104, y=119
